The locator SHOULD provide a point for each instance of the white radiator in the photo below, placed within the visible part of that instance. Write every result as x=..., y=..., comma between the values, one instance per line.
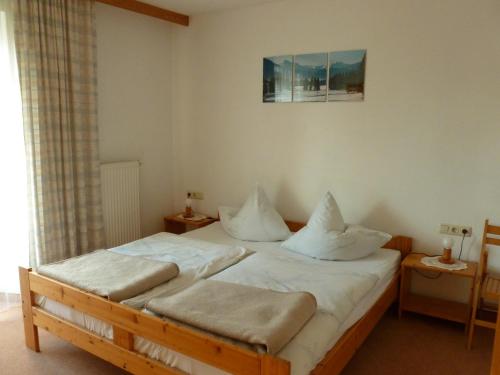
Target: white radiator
x=120, y=201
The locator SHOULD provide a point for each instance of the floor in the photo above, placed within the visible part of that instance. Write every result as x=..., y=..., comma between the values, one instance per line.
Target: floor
x=411, y=346
x=8, y=300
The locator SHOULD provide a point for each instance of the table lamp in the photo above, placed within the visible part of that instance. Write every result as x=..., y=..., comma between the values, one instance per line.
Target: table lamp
x=188, y=211
x=446, y=257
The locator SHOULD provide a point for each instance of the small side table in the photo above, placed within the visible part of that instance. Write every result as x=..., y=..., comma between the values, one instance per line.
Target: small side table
x=436, y=307
x=179, y=225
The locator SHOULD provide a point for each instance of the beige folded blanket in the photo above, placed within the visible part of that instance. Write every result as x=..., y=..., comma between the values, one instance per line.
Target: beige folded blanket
x=248, y=314
x=111, y=275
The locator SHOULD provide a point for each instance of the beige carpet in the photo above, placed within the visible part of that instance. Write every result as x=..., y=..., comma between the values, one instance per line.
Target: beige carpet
x=411, y=346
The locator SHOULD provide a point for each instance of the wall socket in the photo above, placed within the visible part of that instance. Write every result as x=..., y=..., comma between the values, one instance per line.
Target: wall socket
x=196, y=194
x=455, y=230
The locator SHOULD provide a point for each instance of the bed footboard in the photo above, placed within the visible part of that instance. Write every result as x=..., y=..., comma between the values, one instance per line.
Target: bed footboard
x=128, y=323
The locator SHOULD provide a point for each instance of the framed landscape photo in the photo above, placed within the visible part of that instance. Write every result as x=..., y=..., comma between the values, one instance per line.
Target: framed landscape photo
x=309, y=80
x=346, y=80
x=277, y=79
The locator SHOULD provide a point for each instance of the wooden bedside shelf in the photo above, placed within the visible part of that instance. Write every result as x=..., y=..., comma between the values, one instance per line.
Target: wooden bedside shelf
x=436, y=307
x=179, y=225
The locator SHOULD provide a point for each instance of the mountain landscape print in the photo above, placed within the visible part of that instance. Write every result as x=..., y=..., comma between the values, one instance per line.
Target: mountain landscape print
x=346, y=80
x=310, y=75
x=277, y=79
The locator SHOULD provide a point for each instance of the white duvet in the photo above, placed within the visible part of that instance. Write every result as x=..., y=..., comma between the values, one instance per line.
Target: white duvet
x=336, y=289
x=196, y=260
x=337, y=286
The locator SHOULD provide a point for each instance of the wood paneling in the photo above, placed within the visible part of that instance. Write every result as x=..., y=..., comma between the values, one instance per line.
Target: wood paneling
x=149, y=10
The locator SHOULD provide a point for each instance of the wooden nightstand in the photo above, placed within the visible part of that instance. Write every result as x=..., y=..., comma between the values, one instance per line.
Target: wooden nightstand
x=179, y=225
x=440, y=308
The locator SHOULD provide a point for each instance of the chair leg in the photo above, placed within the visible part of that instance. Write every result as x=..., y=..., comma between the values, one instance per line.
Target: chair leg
x=471, y=333
x=472, y=323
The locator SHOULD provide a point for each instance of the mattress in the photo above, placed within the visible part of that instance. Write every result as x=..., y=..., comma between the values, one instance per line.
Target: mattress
x=307, y=348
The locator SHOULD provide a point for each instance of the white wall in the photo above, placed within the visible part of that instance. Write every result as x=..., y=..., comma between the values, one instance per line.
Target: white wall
x=422, y=149
x=134, y=55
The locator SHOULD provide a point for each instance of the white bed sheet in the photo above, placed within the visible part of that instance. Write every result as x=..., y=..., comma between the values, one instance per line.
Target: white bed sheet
x=305, y=350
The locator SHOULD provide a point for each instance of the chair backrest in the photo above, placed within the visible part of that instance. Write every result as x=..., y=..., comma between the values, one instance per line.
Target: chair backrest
x=488, y=240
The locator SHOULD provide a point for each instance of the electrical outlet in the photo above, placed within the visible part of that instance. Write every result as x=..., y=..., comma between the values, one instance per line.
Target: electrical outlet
x=196, y=195
x=467, y=229
x=455, y=230
x=444, y=228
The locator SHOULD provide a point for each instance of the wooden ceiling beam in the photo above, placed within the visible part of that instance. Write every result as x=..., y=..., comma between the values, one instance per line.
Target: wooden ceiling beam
x=149, y=10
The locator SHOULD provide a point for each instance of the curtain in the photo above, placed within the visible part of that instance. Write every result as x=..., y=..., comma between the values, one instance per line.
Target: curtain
x=13, y=192
x=56, y=53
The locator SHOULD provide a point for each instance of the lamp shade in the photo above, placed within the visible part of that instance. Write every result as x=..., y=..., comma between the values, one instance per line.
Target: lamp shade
x=447, y=242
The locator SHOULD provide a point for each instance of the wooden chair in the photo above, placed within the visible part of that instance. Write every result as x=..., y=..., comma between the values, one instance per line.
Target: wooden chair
x=487, y=287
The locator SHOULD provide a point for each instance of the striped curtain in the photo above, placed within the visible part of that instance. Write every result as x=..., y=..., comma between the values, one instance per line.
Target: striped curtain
x=56, y=51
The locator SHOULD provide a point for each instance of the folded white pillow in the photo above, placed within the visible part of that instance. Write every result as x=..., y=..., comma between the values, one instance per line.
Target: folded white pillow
x=326, y=216
x=324, y=237
x=256, y=220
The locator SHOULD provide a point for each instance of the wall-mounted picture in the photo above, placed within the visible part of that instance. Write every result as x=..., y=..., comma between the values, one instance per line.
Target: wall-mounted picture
x=277, y=81
x=309, y=83
x=347, y=75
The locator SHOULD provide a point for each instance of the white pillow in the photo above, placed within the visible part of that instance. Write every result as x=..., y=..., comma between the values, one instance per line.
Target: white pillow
x=326, y=216
x=257, y=220
x=324, y=237
x=356, y=242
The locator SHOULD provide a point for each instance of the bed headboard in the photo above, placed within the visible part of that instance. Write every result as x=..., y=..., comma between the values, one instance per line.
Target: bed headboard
x=401, y=243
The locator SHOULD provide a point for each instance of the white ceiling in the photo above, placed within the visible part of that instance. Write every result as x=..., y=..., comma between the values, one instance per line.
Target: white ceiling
x=190, y=7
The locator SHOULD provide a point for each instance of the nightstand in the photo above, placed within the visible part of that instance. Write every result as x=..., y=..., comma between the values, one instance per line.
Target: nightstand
x=179, y=225
x=439, y=308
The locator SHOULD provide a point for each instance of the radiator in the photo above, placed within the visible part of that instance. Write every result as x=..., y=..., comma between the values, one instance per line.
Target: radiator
x=120, y=202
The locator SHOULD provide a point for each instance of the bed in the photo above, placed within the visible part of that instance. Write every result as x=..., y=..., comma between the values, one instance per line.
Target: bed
x=140, y=342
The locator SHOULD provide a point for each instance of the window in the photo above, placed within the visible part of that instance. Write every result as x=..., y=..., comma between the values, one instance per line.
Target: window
x=14, y=249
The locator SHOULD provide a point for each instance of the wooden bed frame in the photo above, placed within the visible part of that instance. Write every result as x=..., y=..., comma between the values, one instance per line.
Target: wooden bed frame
x=128, y=322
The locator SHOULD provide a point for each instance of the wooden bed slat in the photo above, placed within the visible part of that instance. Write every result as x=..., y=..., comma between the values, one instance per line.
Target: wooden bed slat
x=210, y=350
x=101, y=347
